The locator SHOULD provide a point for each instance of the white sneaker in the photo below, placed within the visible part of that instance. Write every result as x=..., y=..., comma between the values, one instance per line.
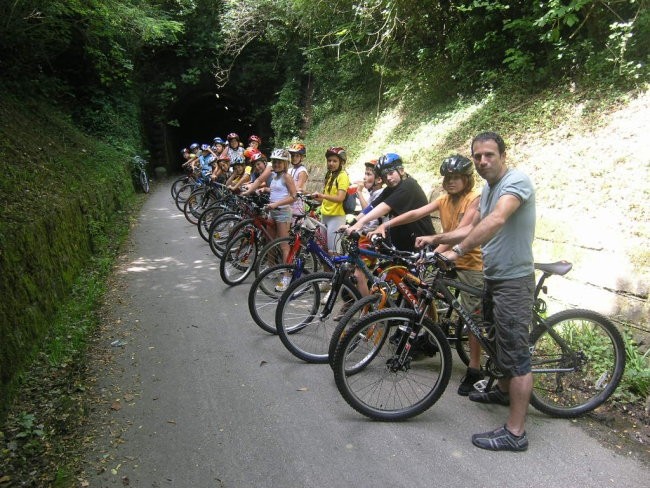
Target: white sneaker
x=284, y=284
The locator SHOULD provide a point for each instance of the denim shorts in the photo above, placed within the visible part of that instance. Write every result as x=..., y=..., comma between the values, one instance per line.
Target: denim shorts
x=509, y=305
x=281, y=214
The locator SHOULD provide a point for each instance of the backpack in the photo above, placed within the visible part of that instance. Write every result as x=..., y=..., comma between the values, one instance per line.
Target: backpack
x=350, y=200
x=350, y=203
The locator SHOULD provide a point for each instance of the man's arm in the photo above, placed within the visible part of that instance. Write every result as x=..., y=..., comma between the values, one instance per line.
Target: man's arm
x=490, y=225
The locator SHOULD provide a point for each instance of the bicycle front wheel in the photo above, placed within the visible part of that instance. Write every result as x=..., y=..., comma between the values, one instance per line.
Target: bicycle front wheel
x=265, y=294
x=238, y=257
x=220, y=229
x=384, y=379
x=177, y=184
x=358, y=309
x=303, y=327
x=578, y=359
x=183, y=194
x=206, y=219
x=195, y=204
x=144, y=181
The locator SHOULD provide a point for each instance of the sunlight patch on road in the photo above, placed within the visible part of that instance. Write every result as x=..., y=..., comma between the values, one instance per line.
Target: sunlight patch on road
x=143, y=264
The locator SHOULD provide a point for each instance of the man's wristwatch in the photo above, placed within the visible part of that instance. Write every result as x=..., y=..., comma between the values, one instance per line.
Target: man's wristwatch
x=458, y=250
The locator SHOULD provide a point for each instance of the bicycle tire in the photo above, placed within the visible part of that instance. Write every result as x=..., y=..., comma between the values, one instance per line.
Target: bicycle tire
x=220, y=232
x=144, y=181
x=206, y=218
x=358, y=309
x=176, y=185
x=197, y=203
x=461, y=334
x=271, y=255
x=238, y=258
x=376, y=389
x=263, y=298
x=183, y=193
x=301, y=329
x=597, y=356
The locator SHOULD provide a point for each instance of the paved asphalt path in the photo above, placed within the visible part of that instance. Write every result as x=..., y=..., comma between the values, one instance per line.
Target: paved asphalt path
x=196, y=395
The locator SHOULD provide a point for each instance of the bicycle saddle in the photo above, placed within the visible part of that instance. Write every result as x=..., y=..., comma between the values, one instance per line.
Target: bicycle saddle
x=559, y=268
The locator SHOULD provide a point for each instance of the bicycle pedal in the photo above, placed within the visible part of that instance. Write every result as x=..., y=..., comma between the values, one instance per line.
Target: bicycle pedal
x=481, y=385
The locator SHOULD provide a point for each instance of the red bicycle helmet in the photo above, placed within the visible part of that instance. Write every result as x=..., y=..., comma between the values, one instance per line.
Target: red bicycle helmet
x=337, y=151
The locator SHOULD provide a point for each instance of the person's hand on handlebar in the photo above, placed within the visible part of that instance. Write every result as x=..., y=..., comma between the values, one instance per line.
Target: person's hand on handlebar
x=422, y=241
x=379, y=231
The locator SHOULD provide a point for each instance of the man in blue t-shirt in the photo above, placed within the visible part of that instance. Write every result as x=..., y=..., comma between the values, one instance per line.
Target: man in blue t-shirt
x=504, y=228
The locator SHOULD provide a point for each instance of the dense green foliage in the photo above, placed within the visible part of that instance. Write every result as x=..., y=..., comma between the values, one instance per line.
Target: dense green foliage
x=282, y=56
x=374, y=51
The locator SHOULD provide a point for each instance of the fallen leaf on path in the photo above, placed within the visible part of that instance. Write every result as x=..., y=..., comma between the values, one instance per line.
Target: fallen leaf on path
x=262, y=363
x=128, y=397
x=171, y=421
x=116, y=405
x=303, y=389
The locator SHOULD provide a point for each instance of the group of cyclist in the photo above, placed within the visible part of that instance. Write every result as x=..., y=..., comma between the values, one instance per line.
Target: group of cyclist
x=488, y=235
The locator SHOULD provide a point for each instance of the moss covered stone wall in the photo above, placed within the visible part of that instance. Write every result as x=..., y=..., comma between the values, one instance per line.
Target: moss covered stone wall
x=58, y=190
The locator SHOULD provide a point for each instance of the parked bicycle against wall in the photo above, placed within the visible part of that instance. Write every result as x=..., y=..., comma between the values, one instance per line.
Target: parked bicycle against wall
x=140, y=173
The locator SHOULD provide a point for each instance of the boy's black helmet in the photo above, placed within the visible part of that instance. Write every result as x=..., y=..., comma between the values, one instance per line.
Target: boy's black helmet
x=456, y=164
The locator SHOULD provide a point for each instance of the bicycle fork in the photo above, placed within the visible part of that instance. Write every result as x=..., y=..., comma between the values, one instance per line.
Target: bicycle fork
x=337, y=283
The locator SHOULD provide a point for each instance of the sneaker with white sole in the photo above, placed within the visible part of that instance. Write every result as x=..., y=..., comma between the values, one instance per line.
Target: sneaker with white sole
x=501, y=439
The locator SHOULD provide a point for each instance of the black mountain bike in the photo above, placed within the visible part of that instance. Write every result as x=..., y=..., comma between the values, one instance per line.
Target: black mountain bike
x=578, y=356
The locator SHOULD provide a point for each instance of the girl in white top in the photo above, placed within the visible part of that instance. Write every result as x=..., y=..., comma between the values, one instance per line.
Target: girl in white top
x=283, y=193
x=299, y=173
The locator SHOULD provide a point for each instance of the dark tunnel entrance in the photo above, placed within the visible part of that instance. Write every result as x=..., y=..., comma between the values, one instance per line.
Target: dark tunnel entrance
x=202, y=116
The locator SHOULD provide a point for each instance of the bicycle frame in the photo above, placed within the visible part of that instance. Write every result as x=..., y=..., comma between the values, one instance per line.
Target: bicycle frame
x=442, y=285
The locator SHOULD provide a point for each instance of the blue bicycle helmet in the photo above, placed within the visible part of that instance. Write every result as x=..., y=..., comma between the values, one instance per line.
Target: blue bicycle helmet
x=388, y=161
x=218, y=140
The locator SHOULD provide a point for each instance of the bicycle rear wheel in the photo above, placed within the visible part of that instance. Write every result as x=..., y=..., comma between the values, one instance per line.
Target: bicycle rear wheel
x=379, y=383
x=299, y=319
x=238, y=257
x=578, y=360
x=265, y=294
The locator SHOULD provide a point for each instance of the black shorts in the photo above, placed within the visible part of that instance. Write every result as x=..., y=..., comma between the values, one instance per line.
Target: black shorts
x=509, y=305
